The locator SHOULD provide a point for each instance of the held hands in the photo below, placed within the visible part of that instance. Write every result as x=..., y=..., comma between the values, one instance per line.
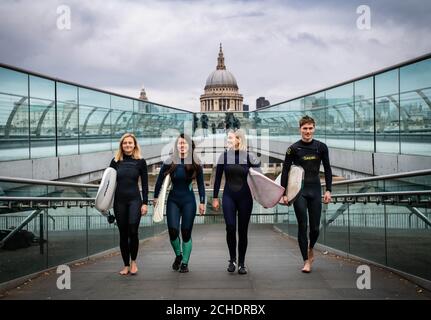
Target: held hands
x=286, y=201
x=327, y=197
x=216, y=203
x=201, y=208
x=144, y=210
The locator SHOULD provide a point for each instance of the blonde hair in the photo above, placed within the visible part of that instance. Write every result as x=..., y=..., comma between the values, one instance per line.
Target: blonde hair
x=136, y=152
x=240, y=135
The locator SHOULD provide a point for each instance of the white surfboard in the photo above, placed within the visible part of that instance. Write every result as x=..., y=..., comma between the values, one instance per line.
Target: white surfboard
x=265, y=191
x=294, y=184
x=105, y=194
x=160, y=207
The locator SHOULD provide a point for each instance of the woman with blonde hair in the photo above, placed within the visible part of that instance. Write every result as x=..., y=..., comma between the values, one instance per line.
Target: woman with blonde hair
x=235, y=162
x=128, y=203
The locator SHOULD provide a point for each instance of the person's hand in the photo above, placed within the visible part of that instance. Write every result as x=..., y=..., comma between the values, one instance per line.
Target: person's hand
x=201, y=208
x=144, y=209
x=154, y=202
x=285, y=200
x=216, y=203
x=327, y=197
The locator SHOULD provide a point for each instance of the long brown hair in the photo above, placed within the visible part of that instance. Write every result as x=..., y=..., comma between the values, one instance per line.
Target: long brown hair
x=192, y=164
x=119, y=155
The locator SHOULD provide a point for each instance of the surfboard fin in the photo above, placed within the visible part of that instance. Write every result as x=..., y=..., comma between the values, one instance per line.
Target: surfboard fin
x=110, y=218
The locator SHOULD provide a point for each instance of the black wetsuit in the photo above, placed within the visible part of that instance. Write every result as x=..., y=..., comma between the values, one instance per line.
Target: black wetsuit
x=308, y=155
x=181, y=204
x=128, y=202
x=236, y=197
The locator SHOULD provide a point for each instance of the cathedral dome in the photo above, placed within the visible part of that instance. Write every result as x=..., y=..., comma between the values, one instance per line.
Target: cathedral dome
x=221, y=90
x=221, y=77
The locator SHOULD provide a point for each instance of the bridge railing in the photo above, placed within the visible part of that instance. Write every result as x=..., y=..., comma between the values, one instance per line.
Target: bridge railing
x=385, y=219
x=47, y=223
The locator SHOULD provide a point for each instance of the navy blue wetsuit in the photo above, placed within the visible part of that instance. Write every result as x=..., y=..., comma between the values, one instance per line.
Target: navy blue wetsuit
x=308, y=155
x=181, y=204
x=128, y=202
x=236, y=197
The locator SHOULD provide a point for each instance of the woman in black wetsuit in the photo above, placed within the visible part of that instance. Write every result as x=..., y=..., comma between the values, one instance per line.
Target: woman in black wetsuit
x=128, y=204
x=235, y=163
x=308, y=153
x=183, y=166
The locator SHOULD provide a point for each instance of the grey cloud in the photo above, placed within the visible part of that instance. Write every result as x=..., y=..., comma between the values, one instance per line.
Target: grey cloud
x=374, y=41
x=245, y=15
x=302, y=37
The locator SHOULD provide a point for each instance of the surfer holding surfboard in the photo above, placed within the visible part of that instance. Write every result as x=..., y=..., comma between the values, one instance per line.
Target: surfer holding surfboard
x=128, y=204
x=235, y=163
x=308, y=153
x=183, y=166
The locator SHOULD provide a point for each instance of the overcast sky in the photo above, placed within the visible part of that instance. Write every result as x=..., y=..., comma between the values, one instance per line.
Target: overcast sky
x=277, y=49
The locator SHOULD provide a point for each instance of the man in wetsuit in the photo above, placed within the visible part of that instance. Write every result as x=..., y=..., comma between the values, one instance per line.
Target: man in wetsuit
x=308, y=153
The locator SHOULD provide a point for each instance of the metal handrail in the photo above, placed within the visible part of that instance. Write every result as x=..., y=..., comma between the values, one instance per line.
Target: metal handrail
x=385, y=177
x=382, y=194
x=24, y=203
x=342, y=195
x=397, y=197
x=12, y=198
x=7, y=198
x=405, y=198
x=48, y=182
x=61, y=183
x=96, y=186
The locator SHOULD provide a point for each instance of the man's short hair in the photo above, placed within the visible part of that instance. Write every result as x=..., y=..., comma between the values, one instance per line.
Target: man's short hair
x=305, y=120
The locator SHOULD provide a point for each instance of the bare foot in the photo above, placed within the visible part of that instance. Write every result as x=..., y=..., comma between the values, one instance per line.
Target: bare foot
x=310, y=255
x=307, y=267
x=125, y=271
x=134, y=268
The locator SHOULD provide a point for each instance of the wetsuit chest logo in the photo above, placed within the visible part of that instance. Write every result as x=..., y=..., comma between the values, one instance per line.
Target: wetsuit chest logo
x=309, y=157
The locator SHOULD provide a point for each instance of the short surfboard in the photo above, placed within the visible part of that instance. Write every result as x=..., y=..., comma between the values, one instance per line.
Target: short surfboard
x=265, y=191
x=160, y=207
x=105, y=194
x=294, y=185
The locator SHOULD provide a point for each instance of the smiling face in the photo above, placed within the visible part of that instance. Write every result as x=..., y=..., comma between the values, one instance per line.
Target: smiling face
x=232, y=141
x=307, y=132
x=128, y=145
x=182, y=146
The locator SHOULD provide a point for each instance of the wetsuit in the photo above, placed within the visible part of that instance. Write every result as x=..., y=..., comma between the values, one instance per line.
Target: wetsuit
x=181, y=203
x=308, y=155
x=128, y=202
x=236, y=197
